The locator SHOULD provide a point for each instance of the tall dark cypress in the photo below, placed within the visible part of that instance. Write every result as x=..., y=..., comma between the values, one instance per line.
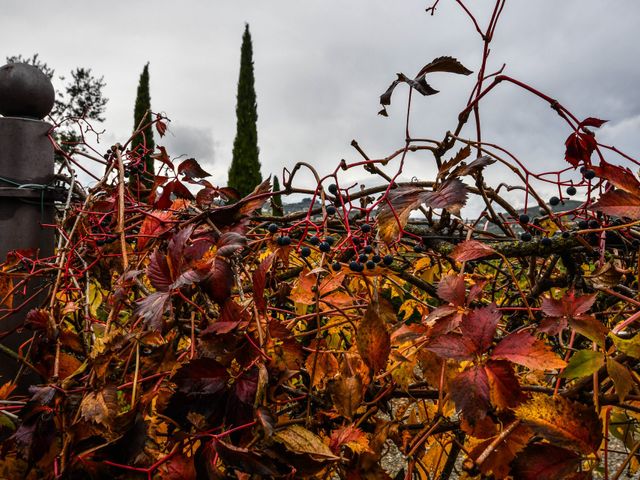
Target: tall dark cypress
x=276, y=200
x=244, y=173
x=143, y=142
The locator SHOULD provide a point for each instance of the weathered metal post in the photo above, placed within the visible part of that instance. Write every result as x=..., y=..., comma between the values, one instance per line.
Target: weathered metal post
x=26, y=169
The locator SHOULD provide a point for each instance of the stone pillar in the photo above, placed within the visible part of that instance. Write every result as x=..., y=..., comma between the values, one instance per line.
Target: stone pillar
x=26, y=166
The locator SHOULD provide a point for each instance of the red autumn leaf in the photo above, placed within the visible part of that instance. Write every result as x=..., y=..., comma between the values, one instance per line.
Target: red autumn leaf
x=161, y=125
x=571, y=310
x=504, y=388
x=218, y=283
x=570, y=305
x=543, y=461
x=229, y=243
x=452, y=289
x=471, y=393
x=618, y=203
x=163, y=157
x=158, y=271
x=155, y=223
x=619, y=177
x=525, y=349
x=471, y=250
x=579, y=147
x=453, y=345
x=191, y=169
x=592, y=122
x=480, y=326
x=372, y=337
x=174, y=188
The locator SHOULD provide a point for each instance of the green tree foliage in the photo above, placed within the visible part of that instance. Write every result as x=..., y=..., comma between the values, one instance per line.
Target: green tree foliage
x=80, y=97
x=143, y=143
x=244, y=173
x=276, y=200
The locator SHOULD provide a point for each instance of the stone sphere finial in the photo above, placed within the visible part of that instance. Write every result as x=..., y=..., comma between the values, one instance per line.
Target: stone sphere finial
x=25, y=91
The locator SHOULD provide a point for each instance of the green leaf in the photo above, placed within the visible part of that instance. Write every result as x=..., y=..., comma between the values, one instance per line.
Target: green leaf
x=631, y=347
x=583, y=363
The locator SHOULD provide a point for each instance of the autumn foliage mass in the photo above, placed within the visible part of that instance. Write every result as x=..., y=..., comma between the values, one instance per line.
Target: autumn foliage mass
x=186, y=334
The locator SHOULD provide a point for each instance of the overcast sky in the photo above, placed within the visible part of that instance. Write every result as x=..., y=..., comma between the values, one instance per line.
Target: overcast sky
x=320, y=67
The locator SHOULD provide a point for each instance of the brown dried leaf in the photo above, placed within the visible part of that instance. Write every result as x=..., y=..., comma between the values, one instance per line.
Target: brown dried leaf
x=622, y=378
x=347, y=394
x=372, y=337
x=298, y=439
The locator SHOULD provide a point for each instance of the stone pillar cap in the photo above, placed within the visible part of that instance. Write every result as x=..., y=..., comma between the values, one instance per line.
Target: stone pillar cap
x=25, y=91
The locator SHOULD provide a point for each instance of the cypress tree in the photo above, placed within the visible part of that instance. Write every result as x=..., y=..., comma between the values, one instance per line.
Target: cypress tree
x=143, y=142
x=276, y=200
x=244, y=173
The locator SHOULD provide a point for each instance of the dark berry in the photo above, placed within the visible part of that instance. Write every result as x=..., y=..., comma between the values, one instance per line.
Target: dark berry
x=305, y=251
x=589, y=174
x=566, y=234
x=314, y=240
x=371, y=265
x=333, y=188
x=284, y=240
x=100, y=242
x=368, y=249
x=336, y=267
x=324, y=247
x=583, y=224
x=330, y=240
x=593, y=224
x=583, y=169
x=387, y=260
x=331, y=210
x=273, y=228
x=545, y=242
x=553, y=201
x=525, y=237
x=362, y=258
x=366, y=228
x=524, y=218
x=418, y=248
x=376, y=259
x=354, y=266
x=571, y=191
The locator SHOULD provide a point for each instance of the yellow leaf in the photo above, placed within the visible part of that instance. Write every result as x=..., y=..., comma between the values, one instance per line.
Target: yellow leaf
x=562, y=422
